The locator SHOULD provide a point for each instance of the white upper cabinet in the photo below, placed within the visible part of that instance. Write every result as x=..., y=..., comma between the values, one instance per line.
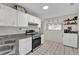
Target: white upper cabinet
x=12, y=17
x=30, y=18
x=39, y=23
x=22, y=19
x=33, y=19
x=8, y=16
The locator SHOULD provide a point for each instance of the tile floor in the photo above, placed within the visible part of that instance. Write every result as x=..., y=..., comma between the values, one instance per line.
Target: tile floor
x=54, y=48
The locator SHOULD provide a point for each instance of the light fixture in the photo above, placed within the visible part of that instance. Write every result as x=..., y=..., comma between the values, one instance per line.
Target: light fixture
x=45, y=7
x=72, y=3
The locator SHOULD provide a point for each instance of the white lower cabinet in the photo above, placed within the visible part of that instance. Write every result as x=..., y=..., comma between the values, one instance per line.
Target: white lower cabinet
x=70, y=39
x=73, y=43
x=25, y=46
x=42, y=39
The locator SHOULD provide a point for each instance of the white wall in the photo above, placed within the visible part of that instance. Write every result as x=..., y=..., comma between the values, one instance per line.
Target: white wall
x=56, y=35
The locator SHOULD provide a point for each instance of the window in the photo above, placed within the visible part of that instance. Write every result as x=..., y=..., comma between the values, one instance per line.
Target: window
x=54, y=27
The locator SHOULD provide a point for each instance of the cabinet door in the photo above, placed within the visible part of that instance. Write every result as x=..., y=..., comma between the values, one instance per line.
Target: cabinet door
x=66, y=41
x=22, y=19
x=42, y=39
x=30, y=18
x=7, y=16
x=73, y=41
x=35, y=20
x=25, y=45
x=39, y=23
x=70, y=40
x=29, y=44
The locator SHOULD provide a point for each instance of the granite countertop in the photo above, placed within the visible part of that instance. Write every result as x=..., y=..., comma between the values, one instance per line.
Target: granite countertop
x=69, y=31
x=72, y=32
x=15, y=36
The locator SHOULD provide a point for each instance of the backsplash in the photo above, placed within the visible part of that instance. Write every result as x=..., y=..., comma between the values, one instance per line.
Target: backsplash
x=10, y=30
x=34, y=28
x=15, y=30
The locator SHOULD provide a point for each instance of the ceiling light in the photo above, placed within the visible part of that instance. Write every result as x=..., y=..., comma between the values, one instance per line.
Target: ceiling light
x=45, y=7
x=71, y=3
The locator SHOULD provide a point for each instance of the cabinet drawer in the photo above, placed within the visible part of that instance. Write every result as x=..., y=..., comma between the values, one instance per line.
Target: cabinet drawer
x=65, y=41
x=70, y=40
x=73, y=43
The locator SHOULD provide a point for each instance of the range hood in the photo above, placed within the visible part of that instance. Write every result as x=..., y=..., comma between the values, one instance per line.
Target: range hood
x=33, y=24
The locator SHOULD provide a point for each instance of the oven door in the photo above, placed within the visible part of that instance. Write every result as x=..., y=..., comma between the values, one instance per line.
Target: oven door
x=36, y=42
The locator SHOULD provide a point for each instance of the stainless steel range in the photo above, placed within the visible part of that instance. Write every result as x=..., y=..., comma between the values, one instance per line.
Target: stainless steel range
x=36, y=38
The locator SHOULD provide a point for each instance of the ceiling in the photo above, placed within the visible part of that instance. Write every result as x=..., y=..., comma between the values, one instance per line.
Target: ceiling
x=54, y=10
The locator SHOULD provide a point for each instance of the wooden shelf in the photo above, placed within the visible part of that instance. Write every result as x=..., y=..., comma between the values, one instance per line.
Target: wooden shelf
x=70, y=24
x=69, y=20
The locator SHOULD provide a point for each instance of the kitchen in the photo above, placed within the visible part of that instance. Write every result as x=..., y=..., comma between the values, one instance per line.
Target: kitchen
x=34, y=29
x=18, y=28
